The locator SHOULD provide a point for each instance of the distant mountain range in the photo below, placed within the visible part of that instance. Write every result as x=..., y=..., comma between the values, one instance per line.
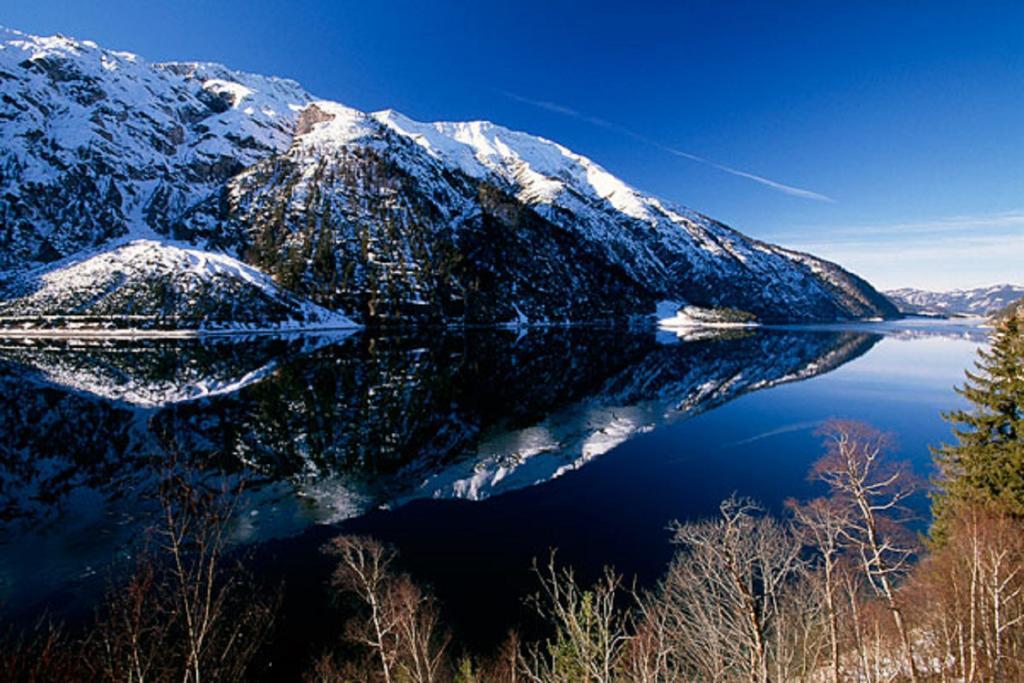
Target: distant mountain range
x=125, y=185
x=983, y=301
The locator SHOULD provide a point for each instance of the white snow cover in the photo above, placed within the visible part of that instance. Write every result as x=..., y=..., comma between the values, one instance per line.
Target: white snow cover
x=78, y=285
x=154, y=255
x=149, y=394
x=262, y=107
x=177, y=132
x=69, y=101
x=544, y=172
x=544, y=169
x=694, y=316
x=978, y=301
x=340, y=125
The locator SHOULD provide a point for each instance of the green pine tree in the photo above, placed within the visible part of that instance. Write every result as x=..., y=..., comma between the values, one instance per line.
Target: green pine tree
x=986, y=464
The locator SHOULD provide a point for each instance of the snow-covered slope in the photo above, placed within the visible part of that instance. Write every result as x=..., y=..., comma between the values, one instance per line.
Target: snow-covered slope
x=982, y=301
x=97, y=144
x=674, y=249
x=377, y=215
x=152, y=285
x=474, y=221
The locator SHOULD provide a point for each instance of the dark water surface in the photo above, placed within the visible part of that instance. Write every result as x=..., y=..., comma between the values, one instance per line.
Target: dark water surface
x=473, y=452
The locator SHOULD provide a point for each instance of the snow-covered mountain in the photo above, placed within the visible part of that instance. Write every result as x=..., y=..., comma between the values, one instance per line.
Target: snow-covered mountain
x=983, y=301
x=374, y=215
x=152, y=285
x=97, y=145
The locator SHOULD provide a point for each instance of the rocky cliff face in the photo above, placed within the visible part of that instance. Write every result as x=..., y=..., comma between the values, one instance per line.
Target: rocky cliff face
x=97, y=145
x=377, y=216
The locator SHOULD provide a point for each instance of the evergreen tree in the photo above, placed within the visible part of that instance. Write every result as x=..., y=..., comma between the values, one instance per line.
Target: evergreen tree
x=986, y=465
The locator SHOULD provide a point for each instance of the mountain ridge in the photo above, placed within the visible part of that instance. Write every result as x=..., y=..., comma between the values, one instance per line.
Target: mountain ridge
x=977, y=301
x=373, y=215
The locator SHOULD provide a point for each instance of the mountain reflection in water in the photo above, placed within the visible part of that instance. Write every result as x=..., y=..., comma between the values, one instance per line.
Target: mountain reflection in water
x=353, y=423
x=326, y=428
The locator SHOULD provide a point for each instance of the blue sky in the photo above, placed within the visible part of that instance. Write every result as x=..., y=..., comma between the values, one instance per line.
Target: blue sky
x=888, y=138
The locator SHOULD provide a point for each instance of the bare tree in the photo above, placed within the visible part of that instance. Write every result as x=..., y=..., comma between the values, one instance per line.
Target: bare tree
x=503, y=665
x=800, y=638
x=364, y=568
x=969, y=595
x=727, y=590
x=401, y=627
x=852, y=593
x=820, y=524
x=423, y=641
x=188, y=612
x=590, y=631
x=193, y=537
x=872, y=490
x=131, y=638
x=650, y=655
x=327, y=668
x=41, y=654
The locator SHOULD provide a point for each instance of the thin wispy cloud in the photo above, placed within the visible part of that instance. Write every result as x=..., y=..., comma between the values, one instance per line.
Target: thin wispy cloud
x=933, y=253
x=997, y=224
x=930, y=260
x=557, y=108
x=568, y=111
x=953, y=246
x=1004, y=219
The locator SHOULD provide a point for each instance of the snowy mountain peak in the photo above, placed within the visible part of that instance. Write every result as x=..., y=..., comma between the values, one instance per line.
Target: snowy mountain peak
x=539, y=168
x=270, y=103
x=40, y=47
x=98, y=144
x=377, y=215
x=326, y=125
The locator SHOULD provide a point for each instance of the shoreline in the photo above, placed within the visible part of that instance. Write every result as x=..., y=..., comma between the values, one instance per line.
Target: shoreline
x=873, y=325
x=65, y=333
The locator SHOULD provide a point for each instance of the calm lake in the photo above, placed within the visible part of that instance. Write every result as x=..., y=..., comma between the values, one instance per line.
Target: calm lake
x=472, y=451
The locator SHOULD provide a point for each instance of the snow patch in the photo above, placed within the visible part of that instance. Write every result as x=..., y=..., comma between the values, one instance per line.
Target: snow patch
x=694, y=316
